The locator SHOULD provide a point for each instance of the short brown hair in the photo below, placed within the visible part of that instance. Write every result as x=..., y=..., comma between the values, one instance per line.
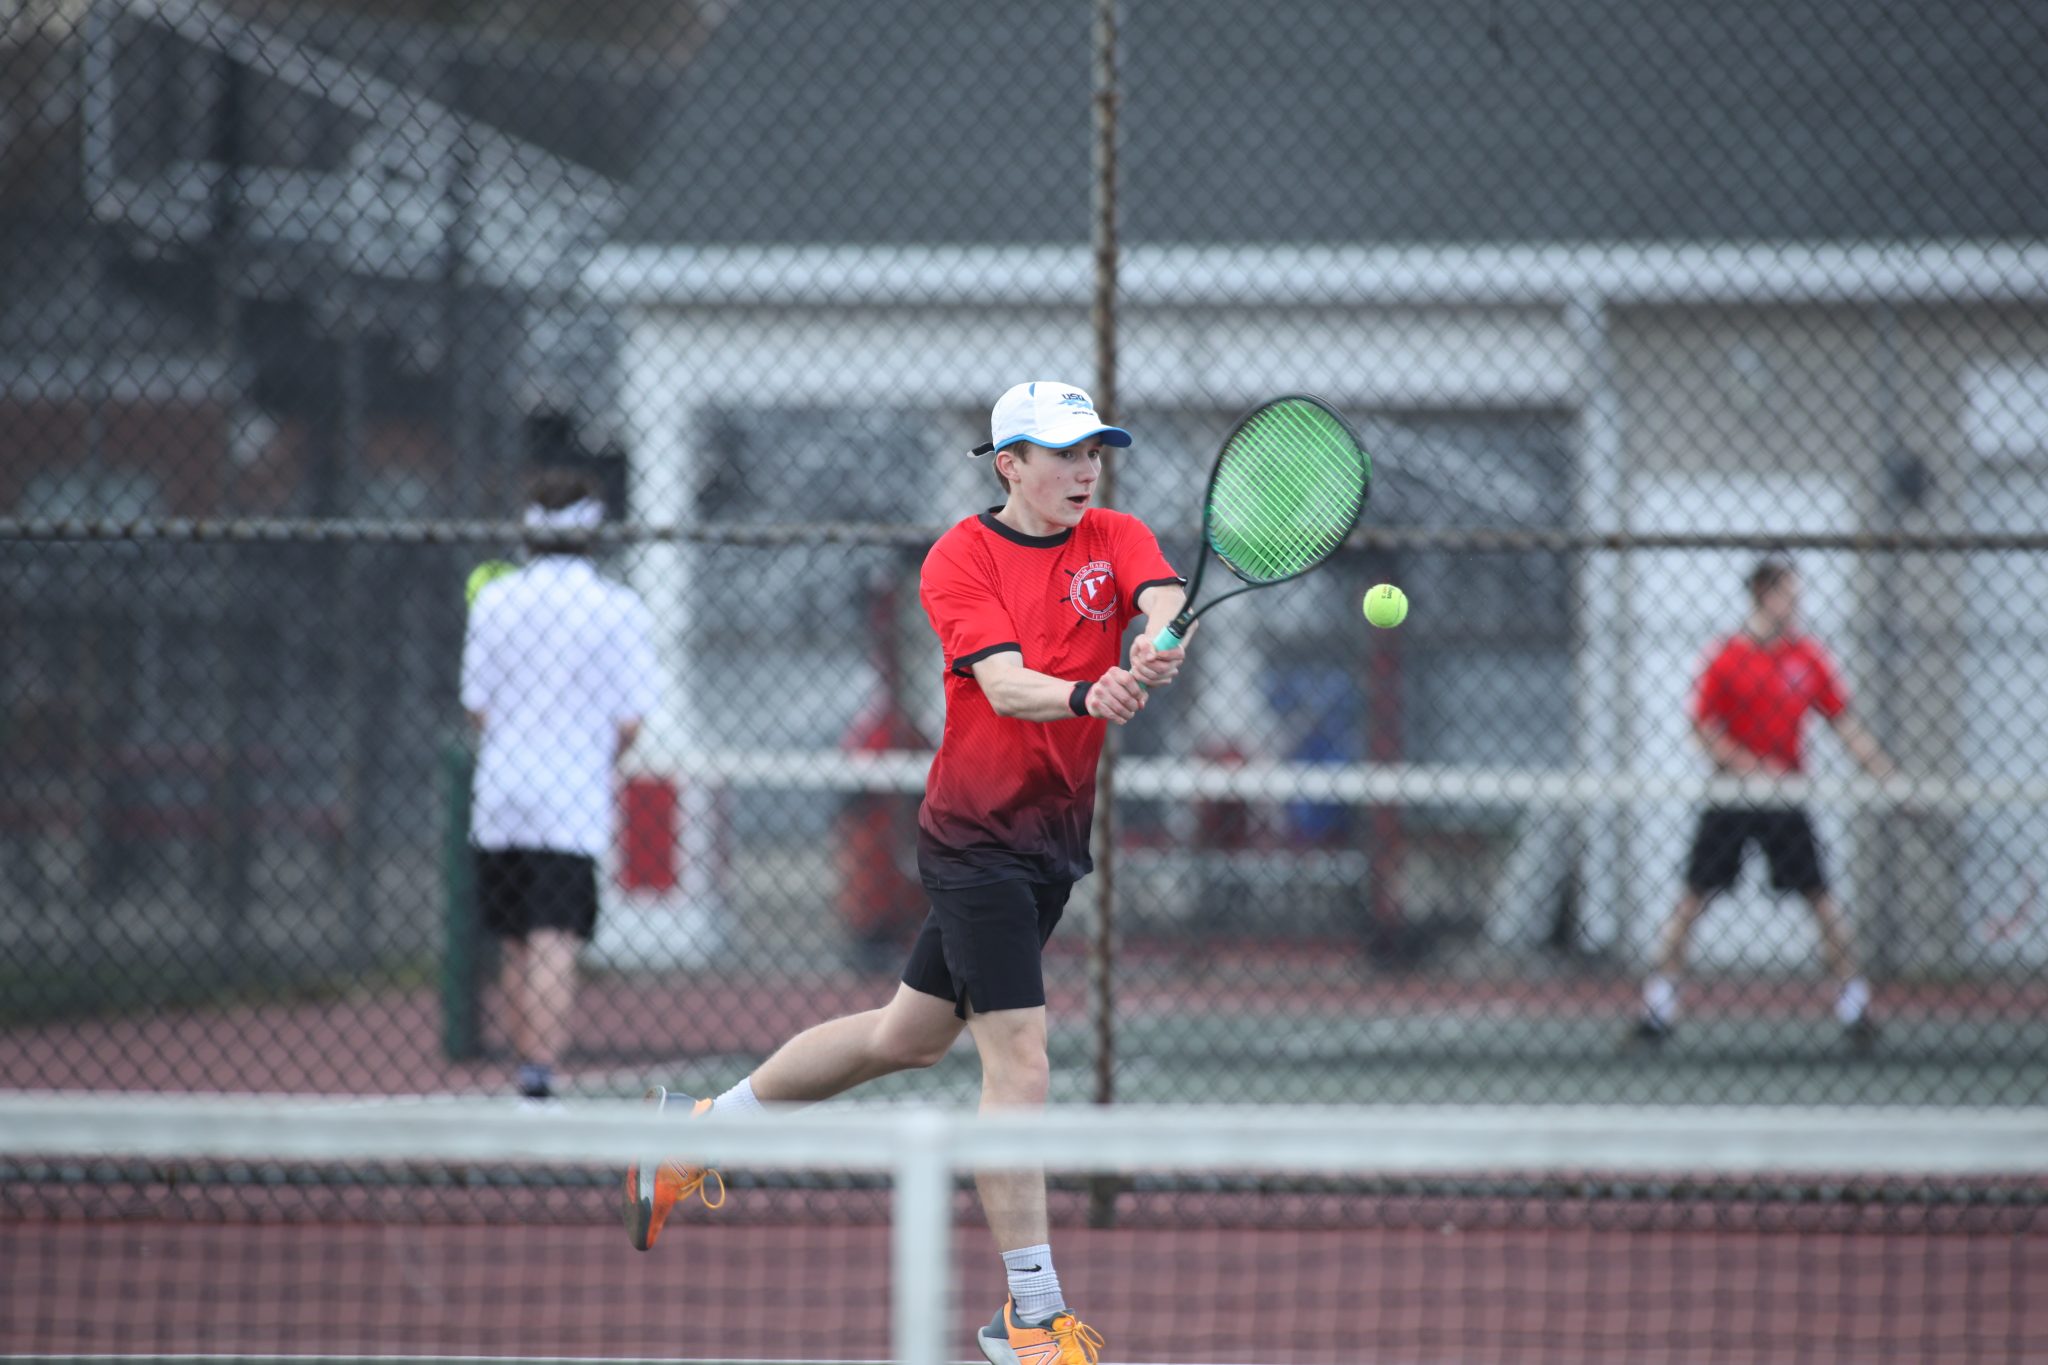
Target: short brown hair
x=554, y=489
x=1768, y=574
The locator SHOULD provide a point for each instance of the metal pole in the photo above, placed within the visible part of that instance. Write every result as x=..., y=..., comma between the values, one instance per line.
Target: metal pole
x=1900, y=939
x=1102, y=954
x=1603, y=724
x=234, y=788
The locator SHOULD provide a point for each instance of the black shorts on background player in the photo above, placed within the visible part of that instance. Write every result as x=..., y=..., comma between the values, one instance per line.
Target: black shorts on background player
x=520, y=890
x=1784, y=833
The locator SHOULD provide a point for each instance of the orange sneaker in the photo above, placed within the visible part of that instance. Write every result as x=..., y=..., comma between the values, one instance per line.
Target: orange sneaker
x=1066, y=1340
x=653, y=1187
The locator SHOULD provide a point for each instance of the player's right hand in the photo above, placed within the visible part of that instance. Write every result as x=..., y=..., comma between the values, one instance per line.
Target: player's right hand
x=1116, y=696
x=1158, y=667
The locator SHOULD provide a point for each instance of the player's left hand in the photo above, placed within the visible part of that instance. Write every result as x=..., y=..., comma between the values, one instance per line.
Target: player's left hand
x=1158, y=667
x=1116, y=696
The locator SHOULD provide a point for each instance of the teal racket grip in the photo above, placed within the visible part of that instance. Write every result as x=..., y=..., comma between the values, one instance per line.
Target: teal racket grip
x=1171, y=637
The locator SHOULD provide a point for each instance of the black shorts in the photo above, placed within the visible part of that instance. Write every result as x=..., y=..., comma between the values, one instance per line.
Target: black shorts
x=519, y=890
x=980, y=944
x=1783, y=832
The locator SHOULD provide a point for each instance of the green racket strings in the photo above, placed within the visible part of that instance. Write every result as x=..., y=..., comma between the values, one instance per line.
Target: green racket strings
x=1286, y=492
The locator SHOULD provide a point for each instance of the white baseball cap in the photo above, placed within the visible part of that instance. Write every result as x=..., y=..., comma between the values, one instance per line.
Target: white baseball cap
x=1048, y=414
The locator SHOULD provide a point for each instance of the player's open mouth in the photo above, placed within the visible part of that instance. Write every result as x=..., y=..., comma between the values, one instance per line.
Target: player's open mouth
x=1079, y=499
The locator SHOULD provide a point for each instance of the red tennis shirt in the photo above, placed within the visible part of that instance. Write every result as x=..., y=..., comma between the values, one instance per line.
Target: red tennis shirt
x=1760, y=692
x=1007, y=798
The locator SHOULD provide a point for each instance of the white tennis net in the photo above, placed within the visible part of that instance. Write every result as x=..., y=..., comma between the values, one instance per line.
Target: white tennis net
x=152, y=1227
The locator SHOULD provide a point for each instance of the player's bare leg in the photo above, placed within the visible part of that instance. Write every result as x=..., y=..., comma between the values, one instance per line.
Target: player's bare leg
x=538, y=981
x=517, y=1004
x=913, y=1030
x=1834, y=935
x=1035, y=1322
x=1660, y=991
x=1677, y=935
x=550, y=989
x=512, y=993
x=1014, y=1075
x=1852, y=999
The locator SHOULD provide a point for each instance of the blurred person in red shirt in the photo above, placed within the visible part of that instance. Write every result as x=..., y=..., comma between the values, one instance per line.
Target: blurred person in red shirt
x=1749, y=714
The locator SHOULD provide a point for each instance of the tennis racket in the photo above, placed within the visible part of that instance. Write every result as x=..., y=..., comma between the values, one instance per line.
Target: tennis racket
x=1289, y=484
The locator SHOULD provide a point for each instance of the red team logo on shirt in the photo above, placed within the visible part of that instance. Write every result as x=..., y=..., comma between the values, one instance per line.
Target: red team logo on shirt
x=1093, y=591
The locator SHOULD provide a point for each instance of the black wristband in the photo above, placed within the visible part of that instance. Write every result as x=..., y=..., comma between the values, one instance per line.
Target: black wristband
x=1077, y=702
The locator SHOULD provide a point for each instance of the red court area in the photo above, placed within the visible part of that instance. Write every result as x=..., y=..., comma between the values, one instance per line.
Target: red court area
x=785, y=1274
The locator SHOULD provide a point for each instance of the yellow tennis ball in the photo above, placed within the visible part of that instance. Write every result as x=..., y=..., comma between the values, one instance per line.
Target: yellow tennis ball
x=482, y=576
x=1386, y=605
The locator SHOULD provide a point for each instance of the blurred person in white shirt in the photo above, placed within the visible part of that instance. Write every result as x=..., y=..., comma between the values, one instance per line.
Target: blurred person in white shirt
x=558, y=673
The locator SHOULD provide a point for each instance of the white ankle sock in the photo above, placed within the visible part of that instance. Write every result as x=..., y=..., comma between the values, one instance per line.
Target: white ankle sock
x=1034, y=1284
x=738, y=1100
x=1660, y=999
x=1854, y=999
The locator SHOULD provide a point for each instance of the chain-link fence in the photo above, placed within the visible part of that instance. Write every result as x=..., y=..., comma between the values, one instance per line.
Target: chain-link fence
x=295, y=298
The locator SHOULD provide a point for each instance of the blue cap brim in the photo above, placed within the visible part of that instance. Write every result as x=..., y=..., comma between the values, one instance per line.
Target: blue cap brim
x=1111, y=436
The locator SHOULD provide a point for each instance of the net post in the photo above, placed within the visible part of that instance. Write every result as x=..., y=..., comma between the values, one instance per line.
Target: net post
x=921, y=1241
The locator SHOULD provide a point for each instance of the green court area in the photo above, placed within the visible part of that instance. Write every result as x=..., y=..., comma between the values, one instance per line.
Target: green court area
x=1489, y=1056
x=1492, y=1056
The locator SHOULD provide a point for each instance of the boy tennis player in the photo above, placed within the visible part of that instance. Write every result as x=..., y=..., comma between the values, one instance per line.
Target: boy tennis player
x=1031, y=602
x=1749, y=713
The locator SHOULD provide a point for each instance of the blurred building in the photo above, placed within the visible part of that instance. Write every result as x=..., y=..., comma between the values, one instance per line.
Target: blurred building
x=1621, y=270
x=301, y=265
x=1587, y=272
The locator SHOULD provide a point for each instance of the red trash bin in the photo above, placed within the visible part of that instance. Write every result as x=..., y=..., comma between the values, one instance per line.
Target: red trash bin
x=880, y=899
x=647, y=834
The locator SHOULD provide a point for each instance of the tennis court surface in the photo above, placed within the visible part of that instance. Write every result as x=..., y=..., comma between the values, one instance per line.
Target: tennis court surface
x=174, y=1228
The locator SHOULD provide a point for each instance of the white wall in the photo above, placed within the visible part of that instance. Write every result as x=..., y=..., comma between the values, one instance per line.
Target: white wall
x=2004, y=604
x=1430, y=328
x=948, y=355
